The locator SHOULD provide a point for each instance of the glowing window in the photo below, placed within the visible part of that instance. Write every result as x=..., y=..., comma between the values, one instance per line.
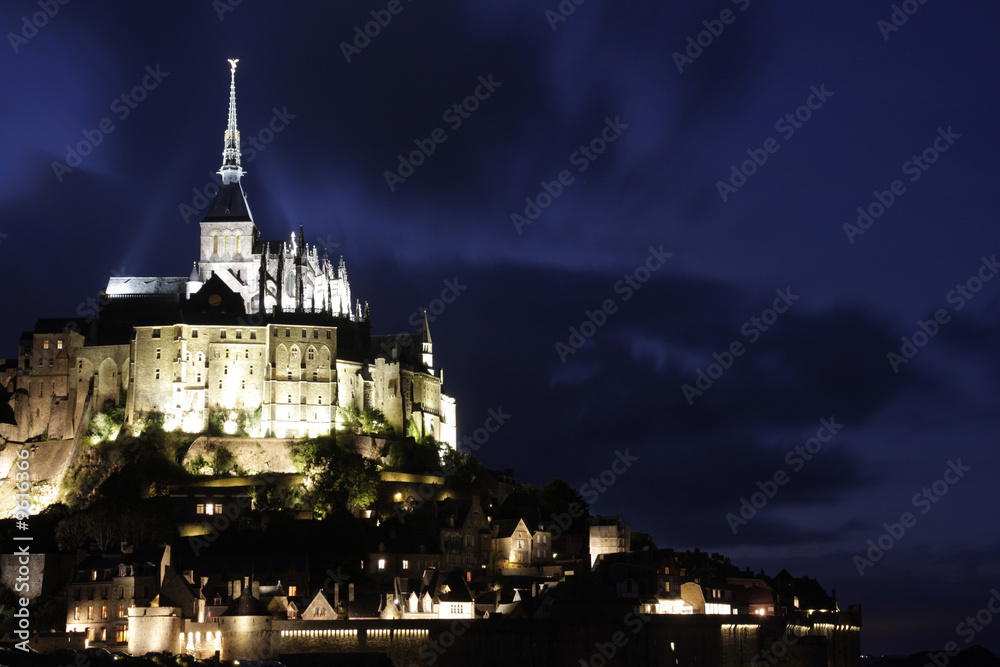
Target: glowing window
x=45, y=344
x=381, y=563
x=59, y=344
x=215, y=244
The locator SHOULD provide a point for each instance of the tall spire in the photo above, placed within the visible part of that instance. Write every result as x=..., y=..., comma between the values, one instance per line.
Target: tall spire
x=231, y=169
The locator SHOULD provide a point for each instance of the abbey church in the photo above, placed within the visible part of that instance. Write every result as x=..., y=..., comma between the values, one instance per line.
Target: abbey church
x=260, y=333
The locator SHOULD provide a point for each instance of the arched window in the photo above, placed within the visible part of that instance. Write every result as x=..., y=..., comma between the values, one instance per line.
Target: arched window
x=237, y=244
x=215, y=244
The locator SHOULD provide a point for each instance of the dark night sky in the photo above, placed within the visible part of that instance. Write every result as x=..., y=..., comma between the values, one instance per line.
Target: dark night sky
x=119, y=212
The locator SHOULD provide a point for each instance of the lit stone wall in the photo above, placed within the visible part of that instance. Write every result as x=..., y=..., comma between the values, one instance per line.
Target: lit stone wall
x=154, y=629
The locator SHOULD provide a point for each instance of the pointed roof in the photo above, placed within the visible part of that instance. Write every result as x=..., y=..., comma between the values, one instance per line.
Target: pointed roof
x=231, y=169
x=425, y=331
x=229, y=204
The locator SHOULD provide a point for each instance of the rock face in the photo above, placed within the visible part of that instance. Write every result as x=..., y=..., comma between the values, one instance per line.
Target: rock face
x=255, y=455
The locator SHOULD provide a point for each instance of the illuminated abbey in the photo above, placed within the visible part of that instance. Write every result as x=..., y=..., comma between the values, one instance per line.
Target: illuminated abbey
x=261, y=333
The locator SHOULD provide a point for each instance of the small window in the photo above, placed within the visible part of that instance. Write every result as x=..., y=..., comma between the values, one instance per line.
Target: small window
x=225, y=370
x=303, y=333
x=275, y=333
x=288, y=333
x=239, y=334
x=328, y=335
x=243, y=384
x=289, y=398
x=406, y=564
x=319, y=399
x=253, y=335
x=198, y=378
x=45, y=344
x=315, y=376
x=222, y=334
x=194, y=333
x=157, y=353
x=381, y=563
x=157, y=374
x=311, y=354
x=227, y=353
x=247, y=354
x=156, y=333
x=59, y=344
x=251, y=370
x=315, y=333
x=220, y=384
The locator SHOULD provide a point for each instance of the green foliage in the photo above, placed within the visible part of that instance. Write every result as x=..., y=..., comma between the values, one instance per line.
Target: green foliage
x=106, y=423
x=461, y=470
x=224, y=462
x=368, y=422
x=418, y=457
x=336, y=476
x=197, y=464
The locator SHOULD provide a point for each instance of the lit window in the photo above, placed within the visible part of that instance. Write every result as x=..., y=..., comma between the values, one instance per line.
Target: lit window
x=90, y=613
x=45, y=344
x=200, y=508
x=59, y=344
x=406, y=564
x=104, y=611
x=215, y=244
x=76, y=613
x=237, y=244
x=381, y=563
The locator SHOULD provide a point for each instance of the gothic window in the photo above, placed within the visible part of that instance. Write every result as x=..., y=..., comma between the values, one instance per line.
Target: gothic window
x=311, y=354
x=215, y=244
x=237, y=244
x=295, y=353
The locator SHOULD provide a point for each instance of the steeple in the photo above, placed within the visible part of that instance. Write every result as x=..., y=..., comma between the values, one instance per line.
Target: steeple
x=231, y=169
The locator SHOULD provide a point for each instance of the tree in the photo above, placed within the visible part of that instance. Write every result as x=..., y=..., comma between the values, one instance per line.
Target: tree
x=337, y=477
x=556, y=497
